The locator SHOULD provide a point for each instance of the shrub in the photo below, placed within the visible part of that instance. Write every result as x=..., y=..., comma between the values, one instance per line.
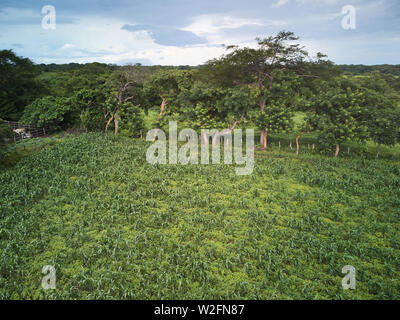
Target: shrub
x=132, y=122
x=53, y=112
x=5, y=132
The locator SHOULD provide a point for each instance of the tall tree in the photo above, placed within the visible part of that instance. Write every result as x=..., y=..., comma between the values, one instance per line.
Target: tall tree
x=276, y=116
x=206, y=106
x=122, y=86
x=5, y=133
x=381, y=117
x=18, y=85
x=163, y=88
x=90, y=105
x=53, y=112
x=262, y=66
x=337, y=114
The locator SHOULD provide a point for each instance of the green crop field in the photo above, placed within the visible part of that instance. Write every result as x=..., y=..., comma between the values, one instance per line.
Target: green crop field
x=115, y=226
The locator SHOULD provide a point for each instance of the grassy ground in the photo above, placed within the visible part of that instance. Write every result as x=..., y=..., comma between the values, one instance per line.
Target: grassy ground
x=25, y=147
x=116, y=227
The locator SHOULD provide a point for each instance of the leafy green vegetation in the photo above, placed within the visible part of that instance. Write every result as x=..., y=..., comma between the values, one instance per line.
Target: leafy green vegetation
x=362, y=69
x=51, y=112
x=116, y=227
x=11, y=154
x=262, y=87
x=18, y=85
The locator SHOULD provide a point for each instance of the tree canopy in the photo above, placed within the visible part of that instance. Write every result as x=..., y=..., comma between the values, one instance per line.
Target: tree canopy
x=18, y=85
x=263, y=87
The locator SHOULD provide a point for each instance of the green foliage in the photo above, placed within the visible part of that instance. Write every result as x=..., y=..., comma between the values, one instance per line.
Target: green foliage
x=336, y=114
x=257, y=65
x=5, y=133
x=258, y=87
x=235, y=103
x=166, y=84
x=132, y=122
x=67, y=80
x=18, y=85
x=199, y=106
x=124, y=88
x=380, y=117
x=275, y=118
x=384, y=127
x=91, y=106
x=116, y=227
x=273, y=70
x=207, y=106
x=363, y=69
x=162, y=90
x=53, y=112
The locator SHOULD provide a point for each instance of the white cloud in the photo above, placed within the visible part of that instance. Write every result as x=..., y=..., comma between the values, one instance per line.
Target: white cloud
x=169, y=55
x=88, y=38
x=213, y=23
x=67, y=46
x=96, y=39
x=280, y=3
x=218, y=28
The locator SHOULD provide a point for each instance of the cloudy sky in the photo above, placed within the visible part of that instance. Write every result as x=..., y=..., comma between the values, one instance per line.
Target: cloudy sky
x=189, y=32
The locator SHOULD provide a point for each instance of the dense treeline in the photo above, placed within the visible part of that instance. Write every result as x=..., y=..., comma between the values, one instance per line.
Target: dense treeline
x=362, y=69
x=260, y=87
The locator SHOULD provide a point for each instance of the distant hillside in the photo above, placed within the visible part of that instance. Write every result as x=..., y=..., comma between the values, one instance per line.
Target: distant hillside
x=97, y=67
x=362, y=69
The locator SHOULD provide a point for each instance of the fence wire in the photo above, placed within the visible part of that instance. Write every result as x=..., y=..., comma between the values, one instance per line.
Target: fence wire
x=26, y=131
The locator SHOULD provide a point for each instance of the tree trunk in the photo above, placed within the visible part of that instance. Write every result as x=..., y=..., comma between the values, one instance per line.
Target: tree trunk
x=262, y=137
x=337, y=150
x=108, y=123
x=205, y=138
x=226, y=131
x=263, y=133
x=217, y=135
x=378, y=150
x=156, y=134
x=297, y=142
x=265, y=140
x=162, y=107
x=116, y=122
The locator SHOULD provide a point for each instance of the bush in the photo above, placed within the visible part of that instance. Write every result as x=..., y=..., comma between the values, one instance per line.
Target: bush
x=53, y=112
x=5, y=133
x=132, y=122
